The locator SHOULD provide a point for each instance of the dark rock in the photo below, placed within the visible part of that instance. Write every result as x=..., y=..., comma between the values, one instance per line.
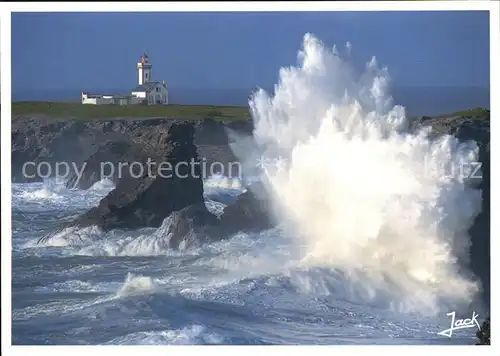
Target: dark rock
x=148, y=200
x=50, y=142
x=483, y=334
x=28, y=141
x=251, y=212
x=190, y=227
x=195, y=225
x=41, y=139
x=112, y=160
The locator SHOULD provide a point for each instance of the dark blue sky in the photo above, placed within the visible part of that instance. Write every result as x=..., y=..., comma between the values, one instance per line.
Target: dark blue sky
x=240, y=50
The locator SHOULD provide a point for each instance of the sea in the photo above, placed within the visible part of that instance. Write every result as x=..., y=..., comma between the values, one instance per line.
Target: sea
x=367, y=249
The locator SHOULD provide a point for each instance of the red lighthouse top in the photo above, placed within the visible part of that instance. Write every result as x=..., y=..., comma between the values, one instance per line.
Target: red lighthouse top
x=144, y=58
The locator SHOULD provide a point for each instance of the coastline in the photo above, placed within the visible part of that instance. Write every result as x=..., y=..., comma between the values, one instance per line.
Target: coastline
x=53, y=136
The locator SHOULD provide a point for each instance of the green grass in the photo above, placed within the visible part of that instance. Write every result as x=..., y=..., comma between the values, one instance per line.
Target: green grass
x=475, y=113
x=66, y=110
x=75, y=110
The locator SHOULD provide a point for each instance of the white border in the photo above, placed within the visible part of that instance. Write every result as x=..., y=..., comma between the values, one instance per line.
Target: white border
x=6, y=231
x=5, y=187
x=495, y=110
x=221, y=6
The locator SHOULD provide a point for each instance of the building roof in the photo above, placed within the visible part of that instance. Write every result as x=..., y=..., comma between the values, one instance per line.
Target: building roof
x=148, y=86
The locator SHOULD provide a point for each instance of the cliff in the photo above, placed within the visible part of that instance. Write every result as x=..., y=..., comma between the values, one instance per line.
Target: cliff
x=133, y=203
x=38, y=139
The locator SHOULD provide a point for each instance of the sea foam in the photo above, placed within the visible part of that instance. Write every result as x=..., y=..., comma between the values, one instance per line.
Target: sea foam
x=359, y=191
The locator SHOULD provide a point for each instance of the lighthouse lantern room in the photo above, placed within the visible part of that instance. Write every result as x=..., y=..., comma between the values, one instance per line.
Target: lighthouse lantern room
x=144, y=69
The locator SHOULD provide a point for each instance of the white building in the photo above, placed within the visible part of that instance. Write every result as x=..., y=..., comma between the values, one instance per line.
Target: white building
x=148, y=91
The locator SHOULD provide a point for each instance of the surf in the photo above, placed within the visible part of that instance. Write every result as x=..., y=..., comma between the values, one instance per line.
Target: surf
x=361, y=192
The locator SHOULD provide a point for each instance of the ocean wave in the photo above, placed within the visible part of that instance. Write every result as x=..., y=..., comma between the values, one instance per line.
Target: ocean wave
x=136, y=285
x=40, y=194
x=189, y=335
x=358, y=190
x=223, y=182
x=103, y=185
x=70, y=237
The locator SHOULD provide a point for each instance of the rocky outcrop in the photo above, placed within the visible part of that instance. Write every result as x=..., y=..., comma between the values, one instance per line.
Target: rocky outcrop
x=251, y=212
x=142, y=201
x=147, y=200
x=483, y=334
x=112, y=160
x=42, y=139
x=36, y=140
x=195, y=225
x=191, y=227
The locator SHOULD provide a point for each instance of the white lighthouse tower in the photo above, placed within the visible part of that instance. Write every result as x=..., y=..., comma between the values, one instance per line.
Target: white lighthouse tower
x=144, y=69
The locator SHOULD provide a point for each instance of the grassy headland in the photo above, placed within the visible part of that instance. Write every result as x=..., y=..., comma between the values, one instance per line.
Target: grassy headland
x=475, y=113
x=76, y=110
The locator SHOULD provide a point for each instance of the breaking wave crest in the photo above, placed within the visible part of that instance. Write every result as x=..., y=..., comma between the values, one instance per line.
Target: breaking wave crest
x=136, y=285
x=189, y=335
x=360, y=192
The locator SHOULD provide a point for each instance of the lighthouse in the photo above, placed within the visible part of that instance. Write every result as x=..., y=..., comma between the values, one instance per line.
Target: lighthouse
x=144, y=69
x=148, y=91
